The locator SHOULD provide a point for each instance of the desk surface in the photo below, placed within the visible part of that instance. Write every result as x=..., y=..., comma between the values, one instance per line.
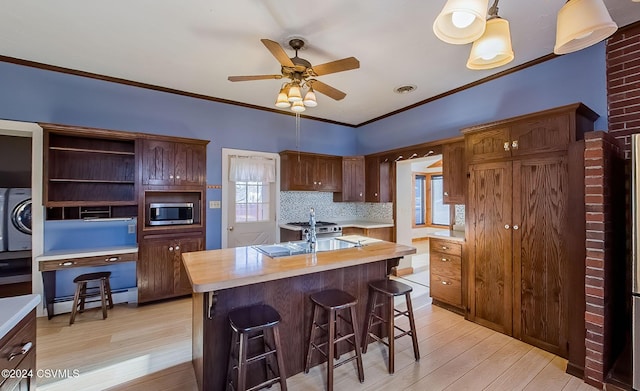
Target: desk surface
x=85, y=252
x=14, y=309
x=232, y=267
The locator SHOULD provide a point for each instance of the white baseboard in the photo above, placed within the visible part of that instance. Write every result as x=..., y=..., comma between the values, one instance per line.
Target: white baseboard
x=129, y=296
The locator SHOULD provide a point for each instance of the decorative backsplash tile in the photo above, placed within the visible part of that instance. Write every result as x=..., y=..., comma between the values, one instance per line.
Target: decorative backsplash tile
x=459, y=214
x=295, y=205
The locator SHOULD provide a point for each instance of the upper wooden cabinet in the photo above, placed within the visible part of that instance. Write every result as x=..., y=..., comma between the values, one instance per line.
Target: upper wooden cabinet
x=173, y=163
x=352, y=180
x=454, y=173
x=85, y=167
x=304, y=171
x=377, y=180
x=542, y=132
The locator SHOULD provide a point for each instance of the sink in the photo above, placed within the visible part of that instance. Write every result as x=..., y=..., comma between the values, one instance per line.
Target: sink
x=302, y=247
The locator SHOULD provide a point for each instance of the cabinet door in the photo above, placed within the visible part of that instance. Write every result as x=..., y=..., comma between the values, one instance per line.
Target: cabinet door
x=540, y=213
x=490, y=255
x=488, y=145
x=301, y=169
x=328, y=176
x=540, y=135
x=158, y=162
x=155, y=269
x=454, y=173
x=190, y=164
x=377, y=180
x=182, y=286
x=352, y=180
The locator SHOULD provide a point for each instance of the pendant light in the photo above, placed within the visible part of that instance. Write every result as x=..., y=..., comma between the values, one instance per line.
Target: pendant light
x=294, y=93
x=310, y=98
x=282, y=100
x=493, y=48
x=461, y=21
x=582, y=23
x=298, y=106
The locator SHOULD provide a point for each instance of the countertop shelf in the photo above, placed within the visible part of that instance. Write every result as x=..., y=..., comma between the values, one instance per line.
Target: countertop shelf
x=14, y=309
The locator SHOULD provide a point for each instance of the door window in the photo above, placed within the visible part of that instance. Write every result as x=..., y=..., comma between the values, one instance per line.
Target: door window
x=252, y=202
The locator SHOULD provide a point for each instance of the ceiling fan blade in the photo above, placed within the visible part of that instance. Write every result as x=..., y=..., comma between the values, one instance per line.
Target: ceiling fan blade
x=255, y=77
x=328, y=90
x=278, y=52
x=345, y=64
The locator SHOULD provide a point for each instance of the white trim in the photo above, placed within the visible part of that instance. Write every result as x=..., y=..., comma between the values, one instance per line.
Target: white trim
x=33, y=130
x=226, y=153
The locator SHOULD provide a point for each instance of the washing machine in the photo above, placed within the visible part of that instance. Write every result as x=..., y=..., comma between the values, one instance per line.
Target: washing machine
x=18, y=219
x=3, y=219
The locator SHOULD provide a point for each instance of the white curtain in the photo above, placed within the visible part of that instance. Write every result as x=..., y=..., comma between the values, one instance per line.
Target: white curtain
x=252, y=169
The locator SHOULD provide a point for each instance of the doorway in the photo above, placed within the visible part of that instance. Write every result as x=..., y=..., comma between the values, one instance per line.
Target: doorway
x=250, y=197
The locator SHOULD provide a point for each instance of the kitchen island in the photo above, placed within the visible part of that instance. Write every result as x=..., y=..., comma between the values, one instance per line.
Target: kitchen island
x=237, y=277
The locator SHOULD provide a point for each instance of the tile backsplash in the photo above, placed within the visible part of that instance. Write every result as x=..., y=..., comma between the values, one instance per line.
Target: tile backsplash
x=459, y=213
x=295, y=205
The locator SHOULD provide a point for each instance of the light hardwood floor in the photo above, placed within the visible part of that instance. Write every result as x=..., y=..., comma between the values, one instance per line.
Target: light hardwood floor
x=149, y=348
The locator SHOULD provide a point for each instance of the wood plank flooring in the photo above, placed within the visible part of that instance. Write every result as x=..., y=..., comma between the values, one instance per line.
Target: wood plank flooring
x=149, y=348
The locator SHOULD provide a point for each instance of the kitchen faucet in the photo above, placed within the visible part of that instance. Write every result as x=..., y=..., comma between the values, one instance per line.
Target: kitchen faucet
x=311, y=234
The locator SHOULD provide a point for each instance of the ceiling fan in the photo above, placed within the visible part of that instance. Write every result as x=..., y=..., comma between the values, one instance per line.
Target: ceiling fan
x=302, y=73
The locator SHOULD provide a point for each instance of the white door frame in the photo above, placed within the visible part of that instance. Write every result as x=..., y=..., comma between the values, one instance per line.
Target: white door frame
x=226, y=152
x=33, y=130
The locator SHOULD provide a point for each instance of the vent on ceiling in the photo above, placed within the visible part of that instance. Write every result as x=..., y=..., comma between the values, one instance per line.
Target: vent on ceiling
x=405, y=89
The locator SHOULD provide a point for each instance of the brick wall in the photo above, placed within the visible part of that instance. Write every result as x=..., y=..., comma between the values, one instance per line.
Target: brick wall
x=623, y=84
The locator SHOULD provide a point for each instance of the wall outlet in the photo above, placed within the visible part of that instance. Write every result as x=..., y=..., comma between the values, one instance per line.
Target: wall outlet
x=214, y=204
x=132, y=228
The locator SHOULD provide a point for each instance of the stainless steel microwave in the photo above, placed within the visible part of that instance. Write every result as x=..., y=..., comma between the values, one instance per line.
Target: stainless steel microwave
x=171, y=213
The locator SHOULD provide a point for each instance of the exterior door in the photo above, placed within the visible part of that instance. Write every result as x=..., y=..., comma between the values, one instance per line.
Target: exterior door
x=250, y=207
x=540, y=307
x=490, y=261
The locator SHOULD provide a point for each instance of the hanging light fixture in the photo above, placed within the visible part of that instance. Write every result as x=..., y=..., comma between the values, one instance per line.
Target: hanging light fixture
x=461, y=21
x=294, y=92
x=310, y=98
x=298, y=106
x=282, y=100
x=582, y=23
x=493, y=48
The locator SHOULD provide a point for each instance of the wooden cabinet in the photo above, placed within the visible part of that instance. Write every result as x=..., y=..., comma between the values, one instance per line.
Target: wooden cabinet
x=445, y=271
x=88, y=167
x=18, y=355
x=161, y=272
x=378, y=187
x=303, y=171
x=454, y=173
x=173, y=163
x=523, y=240
x=353, y=174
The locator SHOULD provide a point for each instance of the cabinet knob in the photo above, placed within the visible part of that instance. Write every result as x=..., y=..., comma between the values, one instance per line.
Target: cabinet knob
x=177, y=176
x=67, y=263
x=25, y=349
x=112, y=259
x=375, y=194
x=446, y=193
x=360, y=194
x=506, y=226
x=315, y=183
x=319, y=183
x=170, y=248
x=515, y=227
x=514, y=144
x=230, y=228
x=506, y=146
x=445, y=247
x=177, y=248
x=444, y=259
x=170, y=176
x=446, y=283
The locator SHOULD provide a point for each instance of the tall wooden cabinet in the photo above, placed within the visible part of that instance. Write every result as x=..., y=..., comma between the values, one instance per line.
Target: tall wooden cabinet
x=378, y=180
x=454, y=173
x=352, y=180
x=526, y=240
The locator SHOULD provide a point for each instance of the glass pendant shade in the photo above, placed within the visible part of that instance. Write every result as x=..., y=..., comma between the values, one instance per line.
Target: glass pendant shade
x=461, y=21
x=310, y=99
x=582, y=23
x=294, y=94
x=282, y=101
x=493, y=49
x=298, y=106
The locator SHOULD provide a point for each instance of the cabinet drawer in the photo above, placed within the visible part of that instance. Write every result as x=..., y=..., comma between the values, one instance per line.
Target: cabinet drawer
x=446, y=289
x=15, y=340
x=445, y=265
x=102, y=260
x=445, y=247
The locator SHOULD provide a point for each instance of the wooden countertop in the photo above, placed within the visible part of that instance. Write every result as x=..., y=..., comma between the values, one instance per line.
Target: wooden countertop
x=232, y=267
x=13, y=309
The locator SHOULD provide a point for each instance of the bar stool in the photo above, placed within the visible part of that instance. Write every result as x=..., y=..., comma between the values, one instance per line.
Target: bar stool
x=332, y=301
x=389, y=289
x=254, y=320
x=82, y=292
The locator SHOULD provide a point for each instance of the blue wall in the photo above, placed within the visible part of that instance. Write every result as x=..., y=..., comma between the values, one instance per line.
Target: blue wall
x=576, y=77
x=35, y=95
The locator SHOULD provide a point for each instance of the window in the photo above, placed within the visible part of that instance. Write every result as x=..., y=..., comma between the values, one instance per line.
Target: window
x=252, y=201
x=428, y=206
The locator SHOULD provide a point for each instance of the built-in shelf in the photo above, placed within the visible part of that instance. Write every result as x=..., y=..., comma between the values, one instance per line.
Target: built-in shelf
x=89, y=180
x=68, y=149
x=15, y=254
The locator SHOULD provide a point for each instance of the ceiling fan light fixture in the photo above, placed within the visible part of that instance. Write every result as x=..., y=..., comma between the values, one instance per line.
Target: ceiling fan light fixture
x=282, y=100
x=298, y=106
x=294, y=93
x=461, y=21
x=493, y=49
x=310, y=99
x=582, y=23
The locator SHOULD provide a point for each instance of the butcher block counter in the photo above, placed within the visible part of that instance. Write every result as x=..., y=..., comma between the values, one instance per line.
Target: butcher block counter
x=226, y=279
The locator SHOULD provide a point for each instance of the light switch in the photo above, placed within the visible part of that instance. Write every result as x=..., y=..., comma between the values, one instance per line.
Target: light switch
x=214, y=204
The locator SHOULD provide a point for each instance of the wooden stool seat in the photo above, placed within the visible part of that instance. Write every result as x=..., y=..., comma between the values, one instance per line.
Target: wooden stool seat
x=332, y=301
x=389, y=289
x=255, y=320
x=82, y=293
